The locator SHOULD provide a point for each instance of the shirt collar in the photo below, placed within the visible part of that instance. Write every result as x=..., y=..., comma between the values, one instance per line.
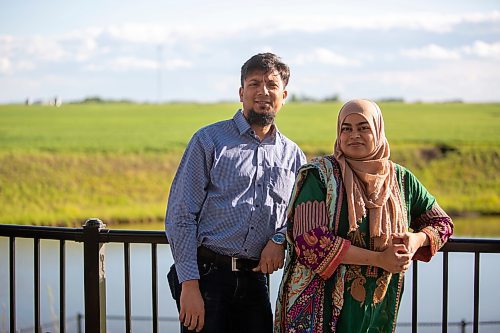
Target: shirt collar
x=241, y=123
x=243, y=126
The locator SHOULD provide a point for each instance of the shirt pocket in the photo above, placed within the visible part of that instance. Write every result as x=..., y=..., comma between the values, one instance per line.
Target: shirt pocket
x=230, y=172
x=281, y=184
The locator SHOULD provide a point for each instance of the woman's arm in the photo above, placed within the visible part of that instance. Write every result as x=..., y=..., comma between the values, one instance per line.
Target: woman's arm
x=322, y=251
x=427, y=218
x=394, y=259
x=315, y=245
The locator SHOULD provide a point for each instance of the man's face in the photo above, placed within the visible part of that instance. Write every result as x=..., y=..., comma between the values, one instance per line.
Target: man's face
x=262, y=92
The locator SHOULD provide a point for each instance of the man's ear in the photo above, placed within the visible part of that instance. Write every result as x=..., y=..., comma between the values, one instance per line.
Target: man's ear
x=241, y=94
x=285, y=95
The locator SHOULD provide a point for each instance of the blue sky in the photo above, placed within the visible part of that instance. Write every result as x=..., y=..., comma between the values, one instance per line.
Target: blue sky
x=192, y=50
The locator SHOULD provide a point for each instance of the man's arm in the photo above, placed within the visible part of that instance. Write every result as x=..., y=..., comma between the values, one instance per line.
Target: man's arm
x=272, y=258
x=186, y=198
x=187, y=195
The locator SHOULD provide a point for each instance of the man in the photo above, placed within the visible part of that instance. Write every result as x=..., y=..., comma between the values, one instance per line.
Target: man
x=225, y=219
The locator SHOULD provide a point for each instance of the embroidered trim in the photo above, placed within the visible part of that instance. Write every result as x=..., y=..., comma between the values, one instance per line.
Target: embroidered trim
x=434, y=239
x=320, y=251
x=398, y=298
x=428, y=216
x=309, y=215
x=334, y=259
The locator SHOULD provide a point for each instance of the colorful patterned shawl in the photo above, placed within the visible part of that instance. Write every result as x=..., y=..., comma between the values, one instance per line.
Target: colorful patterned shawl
x=318, y=293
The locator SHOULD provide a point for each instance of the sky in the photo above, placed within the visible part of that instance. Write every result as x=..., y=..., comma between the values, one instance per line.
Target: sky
x=193, y=50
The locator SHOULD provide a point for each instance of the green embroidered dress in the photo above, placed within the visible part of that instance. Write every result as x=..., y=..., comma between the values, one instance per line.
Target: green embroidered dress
x=318, y=293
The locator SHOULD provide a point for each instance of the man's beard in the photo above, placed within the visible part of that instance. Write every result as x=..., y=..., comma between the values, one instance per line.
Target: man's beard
x=265, y=118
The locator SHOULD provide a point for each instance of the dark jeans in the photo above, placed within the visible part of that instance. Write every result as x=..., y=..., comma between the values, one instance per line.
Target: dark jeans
x=234, y=301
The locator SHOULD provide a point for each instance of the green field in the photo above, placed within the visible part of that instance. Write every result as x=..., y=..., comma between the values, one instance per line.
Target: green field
x=59, y=166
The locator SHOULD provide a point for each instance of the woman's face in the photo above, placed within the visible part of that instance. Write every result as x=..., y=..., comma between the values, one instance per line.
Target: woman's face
x=356, y=137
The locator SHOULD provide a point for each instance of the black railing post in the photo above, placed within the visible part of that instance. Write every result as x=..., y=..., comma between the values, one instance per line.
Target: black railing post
x=444, y=318
x=36, y=280
x=94, y=277
x=12, y=283
x=475, y=325
x=62, y=286
x=463, y=326
x=79, y=318
x=414, y=298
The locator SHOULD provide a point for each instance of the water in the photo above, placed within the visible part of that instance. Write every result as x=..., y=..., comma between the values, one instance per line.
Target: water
x=461, y=278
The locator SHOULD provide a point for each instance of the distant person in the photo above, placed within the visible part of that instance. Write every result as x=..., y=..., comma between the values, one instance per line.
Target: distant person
x=225, y=218
x=355, y=221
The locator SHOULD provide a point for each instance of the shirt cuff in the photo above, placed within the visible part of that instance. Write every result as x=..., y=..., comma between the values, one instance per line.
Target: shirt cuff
x=281, y=230
x=427, y=252
x=187, y=271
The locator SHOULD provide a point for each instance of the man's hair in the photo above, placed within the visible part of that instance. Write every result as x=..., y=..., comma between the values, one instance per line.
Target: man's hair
x=265, y=62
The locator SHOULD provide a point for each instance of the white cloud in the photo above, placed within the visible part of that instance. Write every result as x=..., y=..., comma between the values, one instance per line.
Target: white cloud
x=164, y=34
x=426, y=21
x=5, y=65
x=24, y=65
x=324, y=56
x=132, y=63
x=159, y=34
x=437, y=83
x=431, y=51
x=124, y=64
x=139, y=33
x=176, y=64
x=46, y=49
x=435, y=52
x=483, y=50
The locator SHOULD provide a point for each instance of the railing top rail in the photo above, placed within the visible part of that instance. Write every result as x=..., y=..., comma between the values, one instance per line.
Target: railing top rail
x=31, y=231
x=483, y=245
x=133, y=236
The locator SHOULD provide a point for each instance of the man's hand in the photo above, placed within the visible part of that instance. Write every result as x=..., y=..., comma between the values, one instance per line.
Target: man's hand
x=271, y=258
x=192, y=313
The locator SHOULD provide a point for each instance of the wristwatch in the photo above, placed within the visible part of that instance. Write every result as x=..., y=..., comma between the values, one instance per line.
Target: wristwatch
x=278, y=238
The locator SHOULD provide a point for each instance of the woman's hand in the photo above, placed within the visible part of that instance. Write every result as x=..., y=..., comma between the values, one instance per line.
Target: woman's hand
x=395, y=258
x=412, y=240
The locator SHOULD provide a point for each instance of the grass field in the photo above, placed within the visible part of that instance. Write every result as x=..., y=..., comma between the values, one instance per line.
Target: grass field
x=59, y=166
x=160, y=128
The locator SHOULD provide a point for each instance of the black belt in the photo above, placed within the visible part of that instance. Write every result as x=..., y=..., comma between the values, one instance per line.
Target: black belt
x=208, y=256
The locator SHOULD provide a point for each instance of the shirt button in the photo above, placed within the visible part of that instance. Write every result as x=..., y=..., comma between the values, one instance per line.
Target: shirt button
x=257, y=205
x=252, y=228
x=259, y=185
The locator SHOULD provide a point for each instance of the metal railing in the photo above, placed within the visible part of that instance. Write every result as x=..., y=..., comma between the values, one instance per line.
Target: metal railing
x=94, y=236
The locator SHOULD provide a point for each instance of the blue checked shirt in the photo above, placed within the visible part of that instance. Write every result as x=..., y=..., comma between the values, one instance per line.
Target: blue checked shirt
x=230, y=193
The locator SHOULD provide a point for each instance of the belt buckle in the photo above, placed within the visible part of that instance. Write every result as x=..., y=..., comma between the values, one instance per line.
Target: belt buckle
x=234, y=266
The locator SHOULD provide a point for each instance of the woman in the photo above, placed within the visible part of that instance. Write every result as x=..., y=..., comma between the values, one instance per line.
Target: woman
x=349, y=223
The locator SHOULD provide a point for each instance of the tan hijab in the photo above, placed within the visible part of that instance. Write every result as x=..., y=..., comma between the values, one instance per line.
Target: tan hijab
x=370, y=182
